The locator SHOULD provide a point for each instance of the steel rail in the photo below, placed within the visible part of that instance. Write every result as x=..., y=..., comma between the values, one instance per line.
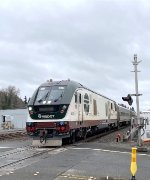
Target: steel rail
x=22, y=159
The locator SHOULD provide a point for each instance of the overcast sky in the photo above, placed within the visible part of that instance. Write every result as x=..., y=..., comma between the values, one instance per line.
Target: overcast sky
x=89, y=41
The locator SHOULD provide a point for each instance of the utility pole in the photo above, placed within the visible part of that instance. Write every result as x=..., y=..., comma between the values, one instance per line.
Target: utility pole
x=135, y=63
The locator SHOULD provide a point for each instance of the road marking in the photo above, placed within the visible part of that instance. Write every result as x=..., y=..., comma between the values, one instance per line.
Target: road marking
x=81, y=148
x=3, y=147
x=43, y=149
x=72, y=176
x=57, y=151
x=106, y=150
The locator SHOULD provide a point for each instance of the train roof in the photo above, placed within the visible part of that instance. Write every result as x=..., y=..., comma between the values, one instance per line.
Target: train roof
x=144, y=112
x=73, y=85
x=62, y=83
x=125, y=108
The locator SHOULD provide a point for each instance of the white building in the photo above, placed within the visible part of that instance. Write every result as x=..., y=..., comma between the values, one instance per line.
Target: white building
x=15, y=118
x=146, y=132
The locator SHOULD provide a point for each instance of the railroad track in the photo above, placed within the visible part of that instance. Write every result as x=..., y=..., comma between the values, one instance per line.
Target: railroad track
x=12, y=135
x=104, y=133
x=13, y=157
x=9, y=159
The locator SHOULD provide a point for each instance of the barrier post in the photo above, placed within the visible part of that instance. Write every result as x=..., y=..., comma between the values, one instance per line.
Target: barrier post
x=118, y=137
x=133, y=166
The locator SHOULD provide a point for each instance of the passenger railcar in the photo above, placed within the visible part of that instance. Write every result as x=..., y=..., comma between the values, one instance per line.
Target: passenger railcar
x=68, y=110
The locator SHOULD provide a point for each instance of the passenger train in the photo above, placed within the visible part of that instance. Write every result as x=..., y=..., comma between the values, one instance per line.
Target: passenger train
x=68, y=110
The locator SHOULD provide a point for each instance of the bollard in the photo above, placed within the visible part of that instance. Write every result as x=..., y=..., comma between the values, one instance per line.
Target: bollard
x=117, y=140
x=133, y=166
x=118, y=137
x=133, y=178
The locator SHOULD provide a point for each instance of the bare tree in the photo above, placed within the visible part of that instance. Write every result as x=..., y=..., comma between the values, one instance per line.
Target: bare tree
x=9, y=98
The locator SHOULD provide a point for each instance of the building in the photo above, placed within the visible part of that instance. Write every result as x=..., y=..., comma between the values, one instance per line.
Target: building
x=13, y=119
x=145, y=132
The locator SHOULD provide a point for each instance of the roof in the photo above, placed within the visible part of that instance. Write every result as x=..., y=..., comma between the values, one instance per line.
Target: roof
x=72, y=84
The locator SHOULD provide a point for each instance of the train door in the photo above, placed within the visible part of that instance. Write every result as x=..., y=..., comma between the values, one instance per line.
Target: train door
x=80, y=107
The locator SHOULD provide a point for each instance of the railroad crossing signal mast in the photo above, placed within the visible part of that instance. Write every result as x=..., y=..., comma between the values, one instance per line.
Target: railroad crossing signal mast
x=130, y=100
x=135, y=64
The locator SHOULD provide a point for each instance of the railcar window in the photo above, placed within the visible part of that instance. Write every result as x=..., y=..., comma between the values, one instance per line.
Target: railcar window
x=80, y=98
x=115, y=107
x=31, y=100
x=48, y=94
x=42, y=94
x=86, y=103
x=124, y=114
x=75, y=97
x=111, y=106
x=56, y=93
x=86, y=99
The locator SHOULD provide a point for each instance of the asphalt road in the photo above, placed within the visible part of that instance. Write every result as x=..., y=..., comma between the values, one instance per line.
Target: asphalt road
x=84, y=161
x=7, y=145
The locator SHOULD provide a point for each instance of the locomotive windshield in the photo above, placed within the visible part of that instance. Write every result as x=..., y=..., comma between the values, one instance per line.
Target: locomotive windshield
x=46, y=95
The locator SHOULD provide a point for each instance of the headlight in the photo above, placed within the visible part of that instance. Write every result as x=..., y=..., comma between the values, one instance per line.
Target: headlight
x=64, y=107
x=30, y=108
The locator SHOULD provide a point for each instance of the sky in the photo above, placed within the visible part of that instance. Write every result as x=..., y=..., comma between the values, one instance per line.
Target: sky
x=89, y=41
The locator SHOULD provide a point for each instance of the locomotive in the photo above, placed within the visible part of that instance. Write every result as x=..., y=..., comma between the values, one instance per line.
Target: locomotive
x=68, y=110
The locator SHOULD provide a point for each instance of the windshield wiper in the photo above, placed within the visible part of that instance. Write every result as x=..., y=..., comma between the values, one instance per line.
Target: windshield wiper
x=58, y=98
x=44, y=97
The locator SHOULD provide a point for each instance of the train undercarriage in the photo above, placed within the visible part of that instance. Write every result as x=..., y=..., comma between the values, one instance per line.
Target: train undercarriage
x=58, y=133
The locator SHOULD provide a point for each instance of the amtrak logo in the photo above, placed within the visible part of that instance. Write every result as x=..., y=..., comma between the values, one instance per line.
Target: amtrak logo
x=46, y=116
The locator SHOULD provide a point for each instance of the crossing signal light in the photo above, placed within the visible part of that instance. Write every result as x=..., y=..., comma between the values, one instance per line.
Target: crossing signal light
x=128, y=99
x=25, y=100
